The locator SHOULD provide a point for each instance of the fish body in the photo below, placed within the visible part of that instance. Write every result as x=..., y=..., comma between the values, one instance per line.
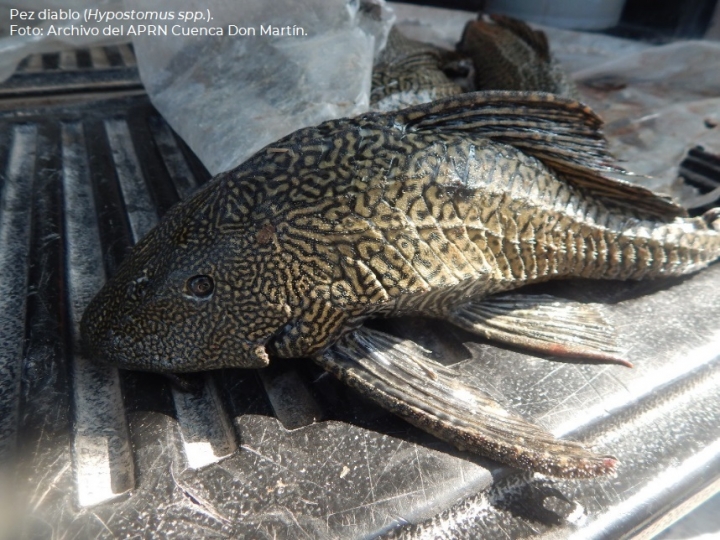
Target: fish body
x=510, y=55
x=409, y=72
x=433, y=210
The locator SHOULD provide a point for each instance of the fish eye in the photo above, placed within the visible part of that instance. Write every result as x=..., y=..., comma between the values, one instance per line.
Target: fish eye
x=201, y=286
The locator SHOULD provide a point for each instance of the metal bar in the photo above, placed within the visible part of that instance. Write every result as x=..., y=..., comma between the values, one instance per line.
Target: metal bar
x=206, y=431
x=127, y=55
x=68, y=60
x=99, y=58
x=205, y=428
x=34, y=63
x=15, y=229
x=183, y=179
x=101, y=447
x=290, y=399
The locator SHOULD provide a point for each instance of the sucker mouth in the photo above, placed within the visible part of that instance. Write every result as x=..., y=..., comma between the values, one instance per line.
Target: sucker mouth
x=92, y=351
x=105, y=345
x=104, y=350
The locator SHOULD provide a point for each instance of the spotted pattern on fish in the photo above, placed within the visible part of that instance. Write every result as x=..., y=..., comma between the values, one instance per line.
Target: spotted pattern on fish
x=510, y=55
x=364, y=217
x=409, y=72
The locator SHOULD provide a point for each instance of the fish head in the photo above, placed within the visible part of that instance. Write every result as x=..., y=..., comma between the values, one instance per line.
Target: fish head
x=190, y=295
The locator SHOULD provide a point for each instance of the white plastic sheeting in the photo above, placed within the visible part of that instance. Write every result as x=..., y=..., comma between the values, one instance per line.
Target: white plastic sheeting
x=228, y=97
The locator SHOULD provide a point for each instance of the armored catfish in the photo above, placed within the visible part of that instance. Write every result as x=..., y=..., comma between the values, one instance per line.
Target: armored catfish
x=409, y=72
x=440, y=210
x=510, y=55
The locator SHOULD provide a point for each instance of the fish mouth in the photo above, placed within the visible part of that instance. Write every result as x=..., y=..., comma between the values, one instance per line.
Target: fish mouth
x=150, y=354
x=104, y=340
x=106, y=348
x=104, y=345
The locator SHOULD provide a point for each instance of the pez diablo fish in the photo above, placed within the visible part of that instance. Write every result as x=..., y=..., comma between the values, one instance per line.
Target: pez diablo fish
x=510, y=55
x=437, y=210
x=409, y=72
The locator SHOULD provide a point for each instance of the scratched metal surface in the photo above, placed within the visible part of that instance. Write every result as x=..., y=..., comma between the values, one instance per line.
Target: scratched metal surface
x=96, y=69
x=288, y=452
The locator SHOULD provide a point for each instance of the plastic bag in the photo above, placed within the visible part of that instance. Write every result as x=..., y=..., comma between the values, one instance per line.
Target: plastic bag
x=229, y=96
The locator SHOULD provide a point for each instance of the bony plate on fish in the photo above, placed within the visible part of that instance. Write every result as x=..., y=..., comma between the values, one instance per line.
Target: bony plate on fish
x=438, y=210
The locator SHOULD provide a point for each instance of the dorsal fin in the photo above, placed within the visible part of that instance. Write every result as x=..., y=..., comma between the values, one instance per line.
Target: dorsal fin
x=536, y=39
x=564, y=134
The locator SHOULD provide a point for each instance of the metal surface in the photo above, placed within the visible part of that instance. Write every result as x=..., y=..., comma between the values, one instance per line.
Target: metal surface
x=97, y=69
x=289, y=452
x=701, y=170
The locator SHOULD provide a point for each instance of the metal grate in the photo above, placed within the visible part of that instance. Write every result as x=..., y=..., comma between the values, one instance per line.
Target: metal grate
x=98, y=69
x=701, y=169
x=95, y=58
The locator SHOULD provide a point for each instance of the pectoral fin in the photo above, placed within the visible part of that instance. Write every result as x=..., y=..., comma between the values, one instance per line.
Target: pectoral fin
x=542, y=323
x=400, y=376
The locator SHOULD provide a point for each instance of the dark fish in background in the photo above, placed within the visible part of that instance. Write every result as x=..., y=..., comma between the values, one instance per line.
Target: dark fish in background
x=509, y=55
x=409, y=72
x=437, y=210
